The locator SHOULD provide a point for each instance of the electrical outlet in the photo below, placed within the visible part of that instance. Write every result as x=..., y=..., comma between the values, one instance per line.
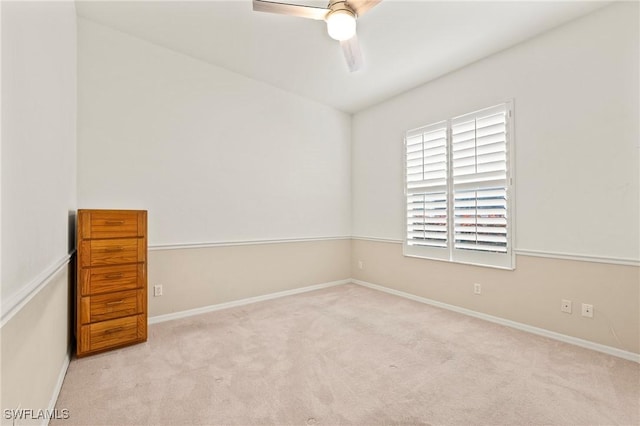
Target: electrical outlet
x=477, y=289
x=566, y=306
x=360, y=264
x=157, y=290
x=587, y=310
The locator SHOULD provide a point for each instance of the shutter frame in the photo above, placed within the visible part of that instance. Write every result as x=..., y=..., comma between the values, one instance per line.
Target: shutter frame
x=426, y=231
x=481, y=234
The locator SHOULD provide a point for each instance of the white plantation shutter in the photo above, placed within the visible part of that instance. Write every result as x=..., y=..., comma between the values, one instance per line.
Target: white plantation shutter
x=458, y=189
x=426, y=189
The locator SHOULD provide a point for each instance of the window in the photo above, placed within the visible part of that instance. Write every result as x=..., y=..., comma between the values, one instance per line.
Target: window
x=458, y=189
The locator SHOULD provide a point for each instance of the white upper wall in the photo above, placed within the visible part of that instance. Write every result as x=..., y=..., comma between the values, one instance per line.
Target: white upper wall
x=575, y=92
x=38, y=142
x=214, y=156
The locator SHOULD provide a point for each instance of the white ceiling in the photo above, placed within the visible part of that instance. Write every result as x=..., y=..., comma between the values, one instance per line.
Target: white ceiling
x=404, y=43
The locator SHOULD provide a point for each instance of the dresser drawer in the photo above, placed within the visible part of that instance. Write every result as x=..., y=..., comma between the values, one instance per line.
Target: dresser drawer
x=111, y=333
x=107, y=279
x=113, y=224
x=112, y=305
x=112, y=252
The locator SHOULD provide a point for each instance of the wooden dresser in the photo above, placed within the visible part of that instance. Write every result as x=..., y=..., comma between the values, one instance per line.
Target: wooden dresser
x=111, y=291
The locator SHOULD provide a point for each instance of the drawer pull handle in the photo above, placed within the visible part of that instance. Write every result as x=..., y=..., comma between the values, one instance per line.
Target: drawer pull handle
x=114, y=222
x=113, y=276
x=116, y=302
x=113, y=249
x=113, y=330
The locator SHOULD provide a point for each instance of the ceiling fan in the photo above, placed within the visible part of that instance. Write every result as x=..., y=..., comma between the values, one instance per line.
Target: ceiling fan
x=340, y=16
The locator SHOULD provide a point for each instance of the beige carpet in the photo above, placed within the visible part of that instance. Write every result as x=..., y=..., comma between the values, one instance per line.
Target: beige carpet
x=348, y=355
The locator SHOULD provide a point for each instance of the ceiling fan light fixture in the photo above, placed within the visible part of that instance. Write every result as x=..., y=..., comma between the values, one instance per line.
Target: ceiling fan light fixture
x=341, y=24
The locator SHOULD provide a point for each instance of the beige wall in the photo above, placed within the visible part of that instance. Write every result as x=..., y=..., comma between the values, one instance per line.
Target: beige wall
x=530, y=294
x=35, y=345
x=198, y=277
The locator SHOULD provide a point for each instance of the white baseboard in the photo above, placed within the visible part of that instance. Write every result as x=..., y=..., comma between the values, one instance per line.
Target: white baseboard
x=631, y=356
x=58, y=386
x=210, y=308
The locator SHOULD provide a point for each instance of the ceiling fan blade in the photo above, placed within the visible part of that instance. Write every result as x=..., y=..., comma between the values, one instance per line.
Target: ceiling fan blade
x=362, y=6
x=352, y=53
x=310, y=12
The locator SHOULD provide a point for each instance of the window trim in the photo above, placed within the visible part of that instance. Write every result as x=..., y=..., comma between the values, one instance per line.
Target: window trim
x=450, y=253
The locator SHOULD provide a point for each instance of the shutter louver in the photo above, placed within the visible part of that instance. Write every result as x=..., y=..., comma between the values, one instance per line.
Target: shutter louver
x=427, y=219
x=481, y=220
x=479, y=163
